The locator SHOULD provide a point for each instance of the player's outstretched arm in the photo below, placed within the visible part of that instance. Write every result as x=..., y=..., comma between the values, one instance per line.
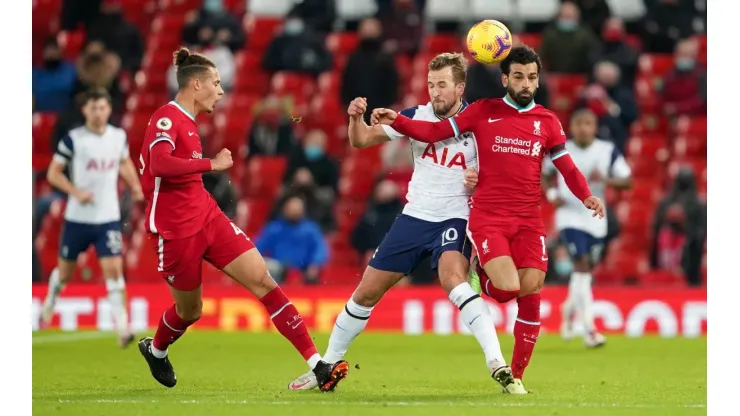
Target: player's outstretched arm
x=360, y=134
x=575, y=180
x=423, y=131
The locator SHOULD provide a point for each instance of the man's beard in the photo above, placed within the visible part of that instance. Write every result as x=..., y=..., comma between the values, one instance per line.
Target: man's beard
x=444, y=110
x=518, y=99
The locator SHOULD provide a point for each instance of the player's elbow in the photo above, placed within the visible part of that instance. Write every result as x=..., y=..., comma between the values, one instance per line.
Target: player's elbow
x=357, y=141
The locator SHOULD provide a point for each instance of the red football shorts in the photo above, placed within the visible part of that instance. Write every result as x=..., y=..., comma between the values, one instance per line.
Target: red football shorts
x=522, y=239
x=180, y=261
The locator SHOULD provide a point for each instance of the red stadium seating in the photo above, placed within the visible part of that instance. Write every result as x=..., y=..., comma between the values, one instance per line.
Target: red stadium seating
x=260, y=31
x=655, y=64
x=342, y=43
x=441, y=43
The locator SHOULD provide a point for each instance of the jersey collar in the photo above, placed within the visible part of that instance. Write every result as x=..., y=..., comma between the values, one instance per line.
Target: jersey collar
x=173, y=102
x=516, y=106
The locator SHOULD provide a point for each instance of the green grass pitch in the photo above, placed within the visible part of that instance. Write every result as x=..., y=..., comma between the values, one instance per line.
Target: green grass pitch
x=246, y=373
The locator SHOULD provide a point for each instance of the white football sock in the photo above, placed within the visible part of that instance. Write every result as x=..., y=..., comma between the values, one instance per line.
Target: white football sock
x=477, y=317
x=570, y=305
x=587, y=301
x=117, y=298
x=55, y=288
x=157, y=353
x=350, y=322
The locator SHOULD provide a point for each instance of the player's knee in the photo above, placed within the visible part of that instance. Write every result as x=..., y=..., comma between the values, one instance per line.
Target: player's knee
x=367, y=298
x=190, y=312
x=505, y=284
x=582, y=264
x=531, y=285
x=450, y=281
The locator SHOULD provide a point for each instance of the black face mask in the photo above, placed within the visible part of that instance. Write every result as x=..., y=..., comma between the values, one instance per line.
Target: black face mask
x=293, y=221
x=52, y=63
x=676, y=226
x=112, y=17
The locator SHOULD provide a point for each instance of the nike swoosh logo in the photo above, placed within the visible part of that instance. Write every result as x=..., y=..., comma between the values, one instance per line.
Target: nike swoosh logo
x=545, y=258
x=449, y=242
x=297, y=325
x=471, y=322
x=190, y=133
x=493, y=120
x=295, y=386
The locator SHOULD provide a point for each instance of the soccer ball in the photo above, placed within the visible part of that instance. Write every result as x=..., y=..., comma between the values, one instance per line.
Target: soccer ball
x=489, y=41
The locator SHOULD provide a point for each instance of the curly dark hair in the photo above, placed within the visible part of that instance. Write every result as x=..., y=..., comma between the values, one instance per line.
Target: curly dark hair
x=520, y=54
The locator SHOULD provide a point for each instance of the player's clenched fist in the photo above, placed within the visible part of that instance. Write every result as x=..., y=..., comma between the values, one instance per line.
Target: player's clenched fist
x=594, y=204
x=85, y=197
x=471, y=179
x=357, y=107
x=383, y=116
x=222, y=161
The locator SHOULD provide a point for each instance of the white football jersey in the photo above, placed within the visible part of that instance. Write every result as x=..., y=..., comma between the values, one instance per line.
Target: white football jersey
x=437, y=190
x=601, y=156
x=93, y=161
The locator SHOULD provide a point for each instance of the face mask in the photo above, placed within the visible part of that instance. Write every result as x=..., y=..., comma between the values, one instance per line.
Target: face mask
x=313, y=153
x=52, y=63
x=213, y=6
x=370, y=44
x=293, y=27
x=612, y=35
x=685, y=64
x=567, y=25
x=563, y=267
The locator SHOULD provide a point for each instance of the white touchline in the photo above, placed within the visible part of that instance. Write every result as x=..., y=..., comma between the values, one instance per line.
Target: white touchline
x=71, y=337
x=379, y=403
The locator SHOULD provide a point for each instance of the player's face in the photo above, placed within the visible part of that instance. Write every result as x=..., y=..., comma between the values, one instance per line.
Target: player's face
x=583, y=128
x=97, y=112
x=522, y=82
x=443, y=92
x=209, y=91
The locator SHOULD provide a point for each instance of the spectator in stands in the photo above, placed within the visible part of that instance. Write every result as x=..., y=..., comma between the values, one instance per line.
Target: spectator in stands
x=403, y=27
x=685, y=86
x=70, y=118
x=53, y=82
x=595, y=13
x=319, y=15
x=118, y=35
x=98, y=68
x=293, y=241
x=381, y=211
x=612, y=102
x=226, y=29
x=615, y=49
x=567, y=43
x=312, y=155
x=680, y=229
x=271, y=133
x=370, y=72
x=219, y=186
x=79, y=12
x=319, y=201
x=666, y=22
x=211, y=47
x=298, y=48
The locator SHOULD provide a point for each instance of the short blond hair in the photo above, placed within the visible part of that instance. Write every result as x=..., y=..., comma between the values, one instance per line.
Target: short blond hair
x=456, y=61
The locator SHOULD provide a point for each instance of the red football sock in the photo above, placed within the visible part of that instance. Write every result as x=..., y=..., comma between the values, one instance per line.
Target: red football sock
x=526, y=330
x=289, y=322
x=170, y=328
x=500, y=296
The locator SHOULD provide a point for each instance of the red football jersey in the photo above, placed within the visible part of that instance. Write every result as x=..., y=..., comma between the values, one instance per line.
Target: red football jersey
x=178, y=206
x=512, y=143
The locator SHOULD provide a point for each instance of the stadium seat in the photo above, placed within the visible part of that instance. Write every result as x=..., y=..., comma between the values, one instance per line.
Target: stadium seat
x=650, y=123
x=271, y=8
x=537, y=10
x=499, y=10
x=71, y=43
x=533, y=40
x=330, y=82
x=654, y=147
x=146, y=102
x=43, y=125
x=257, y=212
x=655, y=64
x=662, y=278
x=151, y=80
x=629, y=265
x=692, y=126
x=135, y=124
x=644, y=190
x=564, y=91
x=260, y=31
x=441, y=43
x=690, y=146
x=628, y=10
x=292, y=83
x=179, y=7
x=265, y=175
x=167, y=24
x=647, y=93
x=342, y=43
x=355, y=10
x=447, y=10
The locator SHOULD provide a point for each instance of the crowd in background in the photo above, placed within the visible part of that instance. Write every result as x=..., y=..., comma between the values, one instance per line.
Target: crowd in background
x=584, y=37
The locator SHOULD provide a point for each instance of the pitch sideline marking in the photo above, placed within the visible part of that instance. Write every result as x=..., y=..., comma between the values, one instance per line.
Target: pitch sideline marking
x=380, y=403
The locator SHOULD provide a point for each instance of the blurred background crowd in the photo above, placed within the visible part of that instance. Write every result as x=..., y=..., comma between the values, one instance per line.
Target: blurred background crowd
x=317, y=208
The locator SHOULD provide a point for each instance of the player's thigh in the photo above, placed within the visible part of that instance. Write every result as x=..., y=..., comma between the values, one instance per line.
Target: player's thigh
x=179, y=262
x=451, y=253
x=374, y=284
x=109, y=245
x=578, y=244
x=188, y=303
x=529, y=249
x=74, y=239
x=494, y=252
x=250, y=271
x=403, y=246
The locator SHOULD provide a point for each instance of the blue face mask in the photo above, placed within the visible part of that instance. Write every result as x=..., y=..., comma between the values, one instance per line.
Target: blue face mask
x=563, y=267
x=685, y=64
x=293, y=27
x=567, y=25
x=213, y=6
x=313, y=152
